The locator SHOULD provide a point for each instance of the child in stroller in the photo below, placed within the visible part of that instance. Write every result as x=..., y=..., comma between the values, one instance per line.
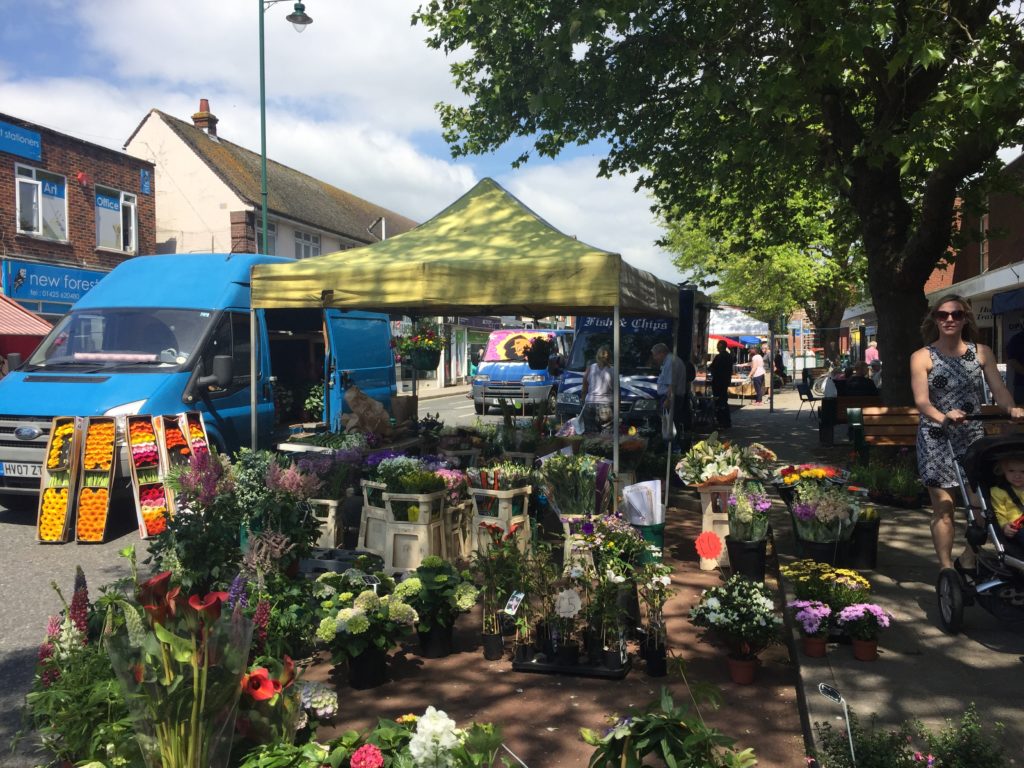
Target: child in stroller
x=994, y=467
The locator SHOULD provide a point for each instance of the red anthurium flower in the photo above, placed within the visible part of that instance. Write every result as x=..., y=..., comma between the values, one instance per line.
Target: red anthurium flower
x=209, y=606
x=155, y=589
x=287, y=676
x=258, y=684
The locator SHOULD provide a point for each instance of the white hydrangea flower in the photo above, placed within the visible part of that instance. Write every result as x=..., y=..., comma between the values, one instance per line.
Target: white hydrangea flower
x=435, y=738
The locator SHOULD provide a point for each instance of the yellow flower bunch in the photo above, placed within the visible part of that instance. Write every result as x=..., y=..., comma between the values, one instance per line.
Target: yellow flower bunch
x=54, y=512
x=58, y=444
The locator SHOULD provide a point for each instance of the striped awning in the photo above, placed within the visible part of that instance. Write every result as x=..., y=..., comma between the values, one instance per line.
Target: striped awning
x=15, y=320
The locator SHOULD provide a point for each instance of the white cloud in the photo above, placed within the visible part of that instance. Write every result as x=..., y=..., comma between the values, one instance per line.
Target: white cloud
x=350, y=101
x=605, y=213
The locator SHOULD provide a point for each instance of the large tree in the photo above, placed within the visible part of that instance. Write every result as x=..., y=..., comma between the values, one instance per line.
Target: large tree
x=898, y=107
x=808, y=257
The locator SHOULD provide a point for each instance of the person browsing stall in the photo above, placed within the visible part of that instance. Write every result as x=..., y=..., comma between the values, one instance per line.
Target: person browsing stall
x=596, y=392
x=672, y=387
x=946, y=376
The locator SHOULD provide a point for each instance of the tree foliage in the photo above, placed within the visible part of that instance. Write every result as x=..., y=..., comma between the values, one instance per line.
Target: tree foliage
x=897, y=107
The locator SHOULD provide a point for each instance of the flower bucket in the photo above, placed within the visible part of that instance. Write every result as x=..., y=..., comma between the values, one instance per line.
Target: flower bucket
x=865, y=650
x=425, y=359
x=864, y=544
x=814, y=647
x=747, y=558
x=654, y=535
x=437, y=642
x=369, y=669
x=834, y=553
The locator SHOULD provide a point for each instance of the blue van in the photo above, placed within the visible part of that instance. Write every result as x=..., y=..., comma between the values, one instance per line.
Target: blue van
x=503, y=372
x=164, y=334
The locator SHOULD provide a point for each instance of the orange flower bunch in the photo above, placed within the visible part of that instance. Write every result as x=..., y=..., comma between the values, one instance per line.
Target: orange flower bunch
x=54, y=512
x=92, y=513
x=59, y=444
x=196, y=435
x=99, y=445
x=175, y=440
x=155, y=520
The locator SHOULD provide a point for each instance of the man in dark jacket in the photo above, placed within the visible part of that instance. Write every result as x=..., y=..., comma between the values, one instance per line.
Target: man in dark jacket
x=721, y=377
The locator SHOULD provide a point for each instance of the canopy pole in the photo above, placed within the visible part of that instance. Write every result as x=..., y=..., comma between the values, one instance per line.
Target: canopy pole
x=253, y=383
x=615, y=402
x=769, y=368
x=671, y=416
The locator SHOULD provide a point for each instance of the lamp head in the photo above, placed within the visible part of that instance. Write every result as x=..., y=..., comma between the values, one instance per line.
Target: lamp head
x=299, y=19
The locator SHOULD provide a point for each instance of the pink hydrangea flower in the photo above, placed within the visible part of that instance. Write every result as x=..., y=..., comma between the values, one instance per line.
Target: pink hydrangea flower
x=367, y=756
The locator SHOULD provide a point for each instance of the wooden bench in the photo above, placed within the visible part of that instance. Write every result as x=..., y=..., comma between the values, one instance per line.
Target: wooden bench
x=833, y=410
x=897, y=426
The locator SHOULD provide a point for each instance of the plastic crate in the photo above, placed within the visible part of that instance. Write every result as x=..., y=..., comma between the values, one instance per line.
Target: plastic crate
x=331, y=560
x=413, y=508
x=327, y=512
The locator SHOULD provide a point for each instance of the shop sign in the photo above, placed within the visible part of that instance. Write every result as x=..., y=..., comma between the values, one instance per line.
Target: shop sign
x=29, y=281
x=627, y=324
x=15, y=140
x=983, y=313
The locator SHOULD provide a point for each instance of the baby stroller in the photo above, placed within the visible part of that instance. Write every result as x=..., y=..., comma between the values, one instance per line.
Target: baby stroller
x=998, y=586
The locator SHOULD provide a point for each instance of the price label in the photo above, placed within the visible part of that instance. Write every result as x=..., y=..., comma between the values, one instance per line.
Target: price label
x=513, y=603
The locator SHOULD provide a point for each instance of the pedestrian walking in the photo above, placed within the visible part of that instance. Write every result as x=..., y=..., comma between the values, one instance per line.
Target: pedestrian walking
x=946, y=376
x=673, y=390
x=721, y=377
x=871, y=353
x=757, y=375
x=596, y=392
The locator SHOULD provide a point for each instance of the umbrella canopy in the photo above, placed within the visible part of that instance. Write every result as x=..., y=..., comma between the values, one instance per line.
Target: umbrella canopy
x=731, y=343
x=487, y=252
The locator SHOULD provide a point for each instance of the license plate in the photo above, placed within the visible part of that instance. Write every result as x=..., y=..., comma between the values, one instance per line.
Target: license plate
x=16, y=469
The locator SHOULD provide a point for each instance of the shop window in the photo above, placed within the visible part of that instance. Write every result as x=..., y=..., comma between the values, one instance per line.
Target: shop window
x=306, y=245
x=115, y=220
x=42, y=203
x=271, y=249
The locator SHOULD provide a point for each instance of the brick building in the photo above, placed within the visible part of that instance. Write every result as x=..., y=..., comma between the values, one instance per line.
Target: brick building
x=70, y=211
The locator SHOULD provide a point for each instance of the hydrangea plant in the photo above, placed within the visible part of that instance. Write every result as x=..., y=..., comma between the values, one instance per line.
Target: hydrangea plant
x=439, y=592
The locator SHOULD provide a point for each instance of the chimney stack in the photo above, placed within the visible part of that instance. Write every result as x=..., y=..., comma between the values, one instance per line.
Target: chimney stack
x=204, y=118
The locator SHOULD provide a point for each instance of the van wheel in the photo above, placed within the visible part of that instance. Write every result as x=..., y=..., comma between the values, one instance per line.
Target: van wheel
x=480, y=408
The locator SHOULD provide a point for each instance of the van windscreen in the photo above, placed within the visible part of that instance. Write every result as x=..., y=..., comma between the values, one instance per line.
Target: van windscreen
x=635, y=351
x=119, y=336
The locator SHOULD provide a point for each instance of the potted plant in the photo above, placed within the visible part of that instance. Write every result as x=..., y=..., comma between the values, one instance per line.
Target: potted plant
x=742, y=614
x=788, y=478
x=421, y=349
x=418, y=497
x=746, y=542
x=360, y=625
x=836, y=587
x=812, y=618
x=496, y=566
x=863, y=622
x=823, y=517
x=714, y=462
x=439, y=592
x=654, y=585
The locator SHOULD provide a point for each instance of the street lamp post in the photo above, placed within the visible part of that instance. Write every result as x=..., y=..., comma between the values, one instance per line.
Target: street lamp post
x=300, y=21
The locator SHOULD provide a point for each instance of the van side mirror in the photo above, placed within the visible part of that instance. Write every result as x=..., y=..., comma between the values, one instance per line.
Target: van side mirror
x=222, y=373
x=14, y=361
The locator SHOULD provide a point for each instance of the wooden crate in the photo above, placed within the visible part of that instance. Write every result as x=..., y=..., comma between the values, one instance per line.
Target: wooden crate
x=98, y=449
x=58, y=478
x=153, y=502
x=715, y=517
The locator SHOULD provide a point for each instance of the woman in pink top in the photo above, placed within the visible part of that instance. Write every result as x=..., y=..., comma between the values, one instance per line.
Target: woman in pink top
x=757, y=375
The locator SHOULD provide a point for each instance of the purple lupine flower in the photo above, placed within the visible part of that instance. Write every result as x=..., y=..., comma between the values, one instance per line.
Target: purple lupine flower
x=238, y=593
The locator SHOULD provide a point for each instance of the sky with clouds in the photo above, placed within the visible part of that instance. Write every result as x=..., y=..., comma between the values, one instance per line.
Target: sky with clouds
x=350, y=101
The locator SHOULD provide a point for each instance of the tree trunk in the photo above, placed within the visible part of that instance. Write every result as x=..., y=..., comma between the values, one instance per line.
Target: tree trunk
x=900, y=307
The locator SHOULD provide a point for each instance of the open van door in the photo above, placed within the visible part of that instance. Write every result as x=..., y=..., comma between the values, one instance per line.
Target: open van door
x=358, y=353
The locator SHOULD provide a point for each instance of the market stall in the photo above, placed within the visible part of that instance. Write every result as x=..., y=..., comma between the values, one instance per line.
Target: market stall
x=486, y=252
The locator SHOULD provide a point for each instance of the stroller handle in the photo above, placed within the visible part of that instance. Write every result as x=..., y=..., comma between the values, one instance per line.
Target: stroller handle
x=987, y=417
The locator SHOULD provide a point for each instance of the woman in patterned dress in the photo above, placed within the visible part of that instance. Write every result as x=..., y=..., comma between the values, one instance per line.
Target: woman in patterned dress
x=946, y=376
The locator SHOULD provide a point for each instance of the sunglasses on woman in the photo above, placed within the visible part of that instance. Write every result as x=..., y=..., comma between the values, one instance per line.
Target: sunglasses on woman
x=956, y=314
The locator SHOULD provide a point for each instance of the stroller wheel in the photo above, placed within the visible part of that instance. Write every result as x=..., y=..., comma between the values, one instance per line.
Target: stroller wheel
x=950, y=591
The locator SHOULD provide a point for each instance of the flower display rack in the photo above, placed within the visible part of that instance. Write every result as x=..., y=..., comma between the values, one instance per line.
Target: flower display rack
x=58, y=479
x=152, y=499
x=195, y=432
x=526, y=458
x=330, y=560
x=96, y=478
x=458, y=529
x=715, y=517
x=539, y=665
x=406, y=544
x=503, y=509
x=326, y=511
x=422, y=508
x=175, y=450
x=374, y=519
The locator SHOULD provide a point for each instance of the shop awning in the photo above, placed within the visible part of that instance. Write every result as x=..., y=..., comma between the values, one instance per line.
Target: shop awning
x=750, y=339
x=15, y=320
x=1008, y=301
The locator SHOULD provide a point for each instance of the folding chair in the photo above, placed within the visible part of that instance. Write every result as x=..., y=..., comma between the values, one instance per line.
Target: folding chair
x=806, y=396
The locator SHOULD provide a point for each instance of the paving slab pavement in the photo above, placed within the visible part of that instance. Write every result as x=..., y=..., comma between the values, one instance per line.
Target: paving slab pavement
x=922, y=673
